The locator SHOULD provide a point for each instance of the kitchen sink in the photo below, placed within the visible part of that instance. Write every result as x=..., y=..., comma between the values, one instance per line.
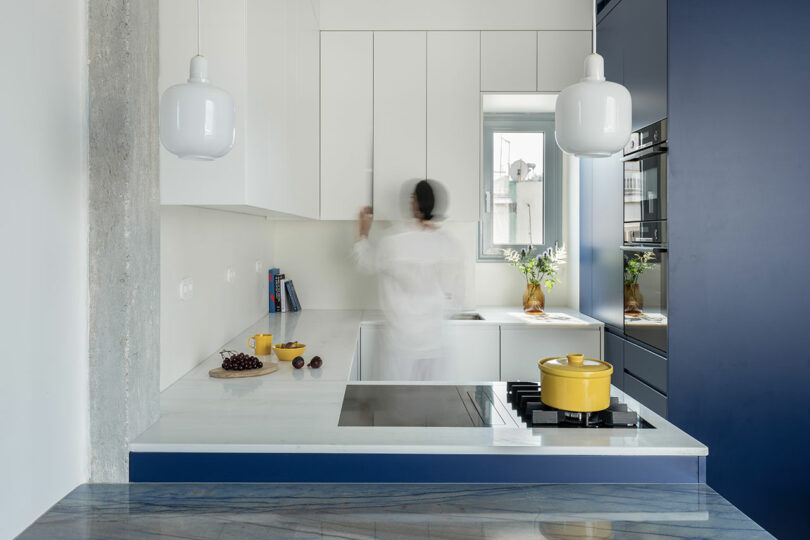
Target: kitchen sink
x=466, y=316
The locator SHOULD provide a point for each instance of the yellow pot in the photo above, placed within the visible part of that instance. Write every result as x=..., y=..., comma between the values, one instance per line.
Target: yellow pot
x=575, y=383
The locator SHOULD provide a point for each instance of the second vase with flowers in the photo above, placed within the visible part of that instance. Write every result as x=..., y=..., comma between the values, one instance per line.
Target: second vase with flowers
x=539, y=270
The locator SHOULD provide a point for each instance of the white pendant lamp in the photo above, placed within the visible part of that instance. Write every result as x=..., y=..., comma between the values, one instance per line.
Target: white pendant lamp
x=196, y=118
x=593, y=116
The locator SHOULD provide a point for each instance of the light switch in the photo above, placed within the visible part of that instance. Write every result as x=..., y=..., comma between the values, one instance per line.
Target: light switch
x=259, y=266
x=186, y=288
x=230, y=275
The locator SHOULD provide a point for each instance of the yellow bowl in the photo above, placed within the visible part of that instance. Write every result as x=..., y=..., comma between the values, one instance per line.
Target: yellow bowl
x=289, y=354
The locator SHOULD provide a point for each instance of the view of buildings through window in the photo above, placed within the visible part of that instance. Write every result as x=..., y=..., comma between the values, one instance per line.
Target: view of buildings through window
x=517, y=194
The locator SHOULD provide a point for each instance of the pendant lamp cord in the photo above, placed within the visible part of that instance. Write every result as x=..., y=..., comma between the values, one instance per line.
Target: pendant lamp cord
x=593, y=33
x=198, y=28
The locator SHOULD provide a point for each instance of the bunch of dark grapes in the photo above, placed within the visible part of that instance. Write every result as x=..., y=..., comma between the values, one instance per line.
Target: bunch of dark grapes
x=237, y=361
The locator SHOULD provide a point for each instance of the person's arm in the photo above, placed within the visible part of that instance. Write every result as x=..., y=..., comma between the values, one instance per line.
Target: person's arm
x=363, y=251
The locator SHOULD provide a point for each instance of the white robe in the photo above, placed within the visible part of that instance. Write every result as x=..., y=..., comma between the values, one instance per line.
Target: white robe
x=420, y=278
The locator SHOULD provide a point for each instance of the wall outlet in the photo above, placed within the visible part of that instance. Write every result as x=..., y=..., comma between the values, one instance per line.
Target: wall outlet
x=186, y=288
x=230, y=275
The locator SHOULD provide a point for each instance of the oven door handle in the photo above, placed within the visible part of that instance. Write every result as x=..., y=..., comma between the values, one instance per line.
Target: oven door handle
x=643, y=248
x=647, y=152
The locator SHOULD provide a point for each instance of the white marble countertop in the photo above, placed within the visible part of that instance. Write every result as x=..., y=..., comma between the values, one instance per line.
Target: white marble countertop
x=511, y=316
x=298, y=410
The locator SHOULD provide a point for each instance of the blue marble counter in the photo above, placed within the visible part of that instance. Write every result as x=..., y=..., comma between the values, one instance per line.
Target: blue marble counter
x=245, y=511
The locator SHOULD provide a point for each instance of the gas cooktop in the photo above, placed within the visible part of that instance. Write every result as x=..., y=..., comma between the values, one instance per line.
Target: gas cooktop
x=525, y=400
x=436, y=405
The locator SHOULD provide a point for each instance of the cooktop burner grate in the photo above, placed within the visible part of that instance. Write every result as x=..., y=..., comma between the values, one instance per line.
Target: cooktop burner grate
x=525, y=399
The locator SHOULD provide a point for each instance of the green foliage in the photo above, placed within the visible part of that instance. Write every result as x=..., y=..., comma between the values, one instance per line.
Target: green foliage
x=637, y=265
x=540, y=268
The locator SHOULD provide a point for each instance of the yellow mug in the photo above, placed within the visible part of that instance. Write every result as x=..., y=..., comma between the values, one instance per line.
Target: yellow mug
x=261, y=343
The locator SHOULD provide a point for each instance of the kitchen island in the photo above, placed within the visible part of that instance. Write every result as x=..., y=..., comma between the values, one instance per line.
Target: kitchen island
x=550, y=511
x=284, y=427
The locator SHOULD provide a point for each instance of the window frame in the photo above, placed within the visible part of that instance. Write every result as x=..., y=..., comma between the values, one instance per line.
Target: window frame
x=552, y=179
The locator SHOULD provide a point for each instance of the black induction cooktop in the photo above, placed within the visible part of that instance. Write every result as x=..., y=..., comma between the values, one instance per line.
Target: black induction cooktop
x=422, y=406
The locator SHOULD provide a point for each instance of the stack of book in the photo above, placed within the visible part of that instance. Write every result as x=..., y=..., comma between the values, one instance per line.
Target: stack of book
x=282, y=293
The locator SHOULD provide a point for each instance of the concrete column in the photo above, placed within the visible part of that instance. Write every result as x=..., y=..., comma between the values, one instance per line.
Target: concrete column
x=124, y=217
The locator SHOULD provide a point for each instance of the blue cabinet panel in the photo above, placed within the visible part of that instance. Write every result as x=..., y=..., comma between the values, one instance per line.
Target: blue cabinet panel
x=739, y=249
x=649, y=396
x=606, y=226
x=632, y=37
x=645, y=365
x=614, y=355
x=585, y=236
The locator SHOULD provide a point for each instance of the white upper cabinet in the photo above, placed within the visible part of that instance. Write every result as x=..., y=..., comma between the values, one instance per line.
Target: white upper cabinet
x=347, y=123
x=561, y=58
x=400, y=116
x=453, y=119
x=265, y=54
x=508, y=61
x=204, y=182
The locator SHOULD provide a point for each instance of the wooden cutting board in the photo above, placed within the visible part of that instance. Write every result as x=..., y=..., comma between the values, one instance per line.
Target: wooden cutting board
x=219, y=373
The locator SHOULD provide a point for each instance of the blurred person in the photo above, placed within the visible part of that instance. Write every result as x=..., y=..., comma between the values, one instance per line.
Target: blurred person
x=421, y=278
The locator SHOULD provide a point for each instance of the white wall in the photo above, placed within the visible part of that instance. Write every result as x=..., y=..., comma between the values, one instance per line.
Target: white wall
x=202, y=244
x=43, y=274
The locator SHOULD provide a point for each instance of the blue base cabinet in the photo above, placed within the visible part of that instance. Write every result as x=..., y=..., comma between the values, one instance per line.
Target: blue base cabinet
x=639, y=372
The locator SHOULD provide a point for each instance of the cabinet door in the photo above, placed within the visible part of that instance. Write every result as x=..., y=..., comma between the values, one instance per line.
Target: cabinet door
x=523, y=348
x=561, y=58
x=347, y=122
x=221, y=181
x=453, y=119
x=508, y=61
x=370, y=351
x=606, y=235
x=400, y=112
x=614, y=355
x=474, y=351
x=298, y=193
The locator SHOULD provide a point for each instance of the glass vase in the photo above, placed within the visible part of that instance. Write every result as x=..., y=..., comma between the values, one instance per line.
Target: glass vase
x=633, y=300
x=534, y=301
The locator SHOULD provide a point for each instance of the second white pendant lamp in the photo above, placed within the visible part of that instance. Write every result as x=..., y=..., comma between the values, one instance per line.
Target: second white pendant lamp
x=593, y=116
x=197, y=119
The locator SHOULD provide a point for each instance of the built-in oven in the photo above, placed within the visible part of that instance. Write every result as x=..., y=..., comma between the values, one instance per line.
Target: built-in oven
x=645, y=295
x=645, y=185
x=645, y=236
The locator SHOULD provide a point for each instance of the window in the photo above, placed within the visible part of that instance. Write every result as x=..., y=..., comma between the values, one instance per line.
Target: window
x=522, y=193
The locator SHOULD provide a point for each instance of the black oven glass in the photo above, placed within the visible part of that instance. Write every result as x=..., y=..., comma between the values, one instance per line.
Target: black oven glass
x=645, y=188
x=645, y=299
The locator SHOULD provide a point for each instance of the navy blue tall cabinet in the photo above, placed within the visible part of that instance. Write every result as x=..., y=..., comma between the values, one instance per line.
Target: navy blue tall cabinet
x=739, y=200
x=738, y=96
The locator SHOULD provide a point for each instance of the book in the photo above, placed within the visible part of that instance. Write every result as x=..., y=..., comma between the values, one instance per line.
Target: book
x=271, y=282
x=277, y=279
x=285, y=304
x=293, y=297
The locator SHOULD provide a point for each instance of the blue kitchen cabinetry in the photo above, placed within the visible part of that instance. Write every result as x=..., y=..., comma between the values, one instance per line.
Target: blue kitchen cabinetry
x=632, y=37
x=738, y=195
x=640, y=373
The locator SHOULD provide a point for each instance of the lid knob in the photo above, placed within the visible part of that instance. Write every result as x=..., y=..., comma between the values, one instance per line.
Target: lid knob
x=575, y=359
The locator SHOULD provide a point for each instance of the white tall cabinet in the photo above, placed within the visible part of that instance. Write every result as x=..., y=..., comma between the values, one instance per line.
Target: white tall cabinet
x=400, y=117
x=453, y=118
x=347, y=123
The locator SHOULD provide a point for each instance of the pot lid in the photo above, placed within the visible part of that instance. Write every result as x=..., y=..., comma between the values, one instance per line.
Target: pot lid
x=576, y=365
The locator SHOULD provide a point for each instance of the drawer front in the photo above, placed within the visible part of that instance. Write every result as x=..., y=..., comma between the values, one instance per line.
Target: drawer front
x=614, y=355
x=648, y=396
x=647, y=366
